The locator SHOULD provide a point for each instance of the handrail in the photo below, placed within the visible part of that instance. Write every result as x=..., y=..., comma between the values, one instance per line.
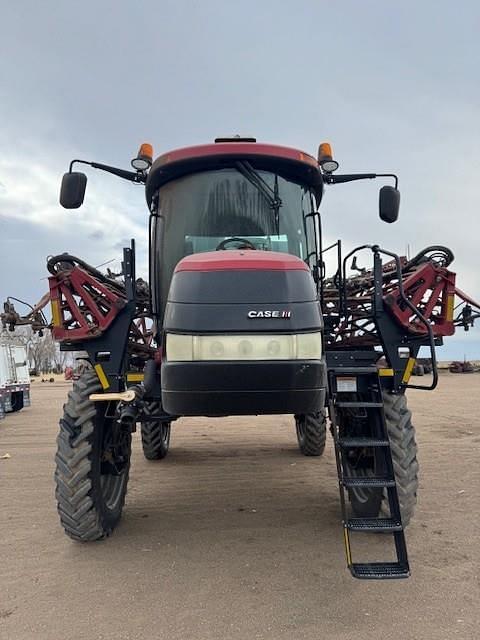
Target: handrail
x=419, y=315
x=398, y=267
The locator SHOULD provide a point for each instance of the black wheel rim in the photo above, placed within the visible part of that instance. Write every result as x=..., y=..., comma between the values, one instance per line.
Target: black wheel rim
x=112, y=489
x=114, y=456
x=300, y=426
x=360, y=463
x=165, y=433
x=361, y=494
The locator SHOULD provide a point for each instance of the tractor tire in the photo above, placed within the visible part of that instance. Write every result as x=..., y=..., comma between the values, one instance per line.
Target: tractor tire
x=311, y=433
x=401, y=433
x=155, y=436
x=369, y=503
x=92, y=464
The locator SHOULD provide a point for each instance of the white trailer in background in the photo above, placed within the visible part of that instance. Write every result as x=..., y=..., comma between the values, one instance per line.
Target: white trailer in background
x=14, y=377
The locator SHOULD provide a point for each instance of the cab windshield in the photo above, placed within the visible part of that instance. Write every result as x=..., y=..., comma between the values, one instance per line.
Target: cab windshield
x=224, y=209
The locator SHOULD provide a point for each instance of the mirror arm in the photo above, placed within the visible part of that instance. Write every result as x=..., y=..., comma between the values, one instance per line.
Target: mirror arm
x=389, y=175
x=350, y=177
x=132, y=176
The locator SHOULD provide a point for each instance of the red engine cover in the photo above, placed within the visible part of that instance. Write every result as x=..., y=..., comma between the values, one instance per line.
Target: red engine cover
x=241, y=259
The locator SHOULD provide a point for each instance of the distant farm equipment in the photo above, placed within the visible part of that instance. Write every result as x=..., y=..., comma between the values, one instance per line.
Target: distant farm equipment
x=14, y=377
x=423, y=366
x=462, y=367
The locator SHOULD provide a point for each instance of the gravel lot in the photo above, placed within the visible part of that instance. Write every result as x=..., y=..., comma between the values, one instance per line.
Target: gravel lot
x=235, y=535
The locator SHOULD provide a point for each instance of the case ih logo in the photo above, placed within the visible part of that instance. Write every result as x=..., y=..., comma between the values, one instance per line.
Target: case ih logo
x=269, y=314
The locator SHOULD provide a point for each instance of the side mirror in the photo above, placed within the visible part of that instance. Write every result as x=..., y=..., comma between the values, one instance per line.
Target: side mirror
x=72, y=191
x=389, y=204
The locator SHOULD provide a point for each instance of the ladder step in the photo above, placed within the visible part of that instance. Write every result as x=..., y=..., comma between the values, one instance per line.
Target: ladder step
x=374, y=524
x=368, y=482
x=358, y=404
x=362, y=442
x=339, y=371
x=379, y=570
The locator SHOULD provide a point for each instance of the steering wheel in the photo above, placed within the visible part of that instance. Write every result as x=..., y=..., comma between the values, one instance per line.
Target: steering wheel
x=246, y=244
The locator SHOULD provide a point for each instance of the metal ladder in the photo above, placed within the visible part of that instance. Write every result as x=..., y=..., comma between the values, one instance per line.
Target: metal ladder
x=378, y=441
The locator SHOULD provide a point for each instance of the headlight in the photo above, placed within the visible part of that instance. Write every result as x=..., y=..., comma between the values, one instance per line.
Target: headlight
x=189, y=348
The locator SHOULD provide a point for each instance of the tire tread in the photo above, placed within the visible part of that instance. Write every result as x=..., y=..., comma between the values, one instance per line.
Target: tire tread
x=76, y=505
x=314, y=433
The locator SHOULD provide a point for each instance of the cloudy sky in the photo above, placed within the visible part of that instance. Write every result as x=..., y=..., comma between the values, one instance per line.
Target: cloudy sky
x=394, y=86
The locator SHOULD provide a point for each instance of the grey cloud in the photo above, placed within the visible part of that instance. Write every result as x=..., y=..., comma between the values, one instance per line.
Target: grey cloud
x=96, y=235
x=391, y=85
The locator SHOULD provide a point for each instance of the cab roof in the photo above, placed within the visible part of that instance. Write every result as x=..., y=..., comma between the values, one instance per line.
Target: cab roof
x=290, y=163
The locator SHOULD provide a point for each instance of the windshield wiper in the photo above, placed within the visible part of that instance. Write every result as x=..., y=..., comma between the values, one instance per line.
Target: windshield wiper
x=270, y=195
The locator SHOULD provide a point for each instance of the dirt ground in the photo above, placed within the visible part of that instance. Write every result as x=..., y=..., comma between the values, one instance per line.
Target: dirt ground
x=237, y=536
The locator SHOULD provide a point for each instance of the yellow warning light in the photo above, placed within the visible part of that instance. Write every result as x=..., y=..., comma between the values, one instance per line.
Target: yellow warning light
x=144, y=158
x=325, y=158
